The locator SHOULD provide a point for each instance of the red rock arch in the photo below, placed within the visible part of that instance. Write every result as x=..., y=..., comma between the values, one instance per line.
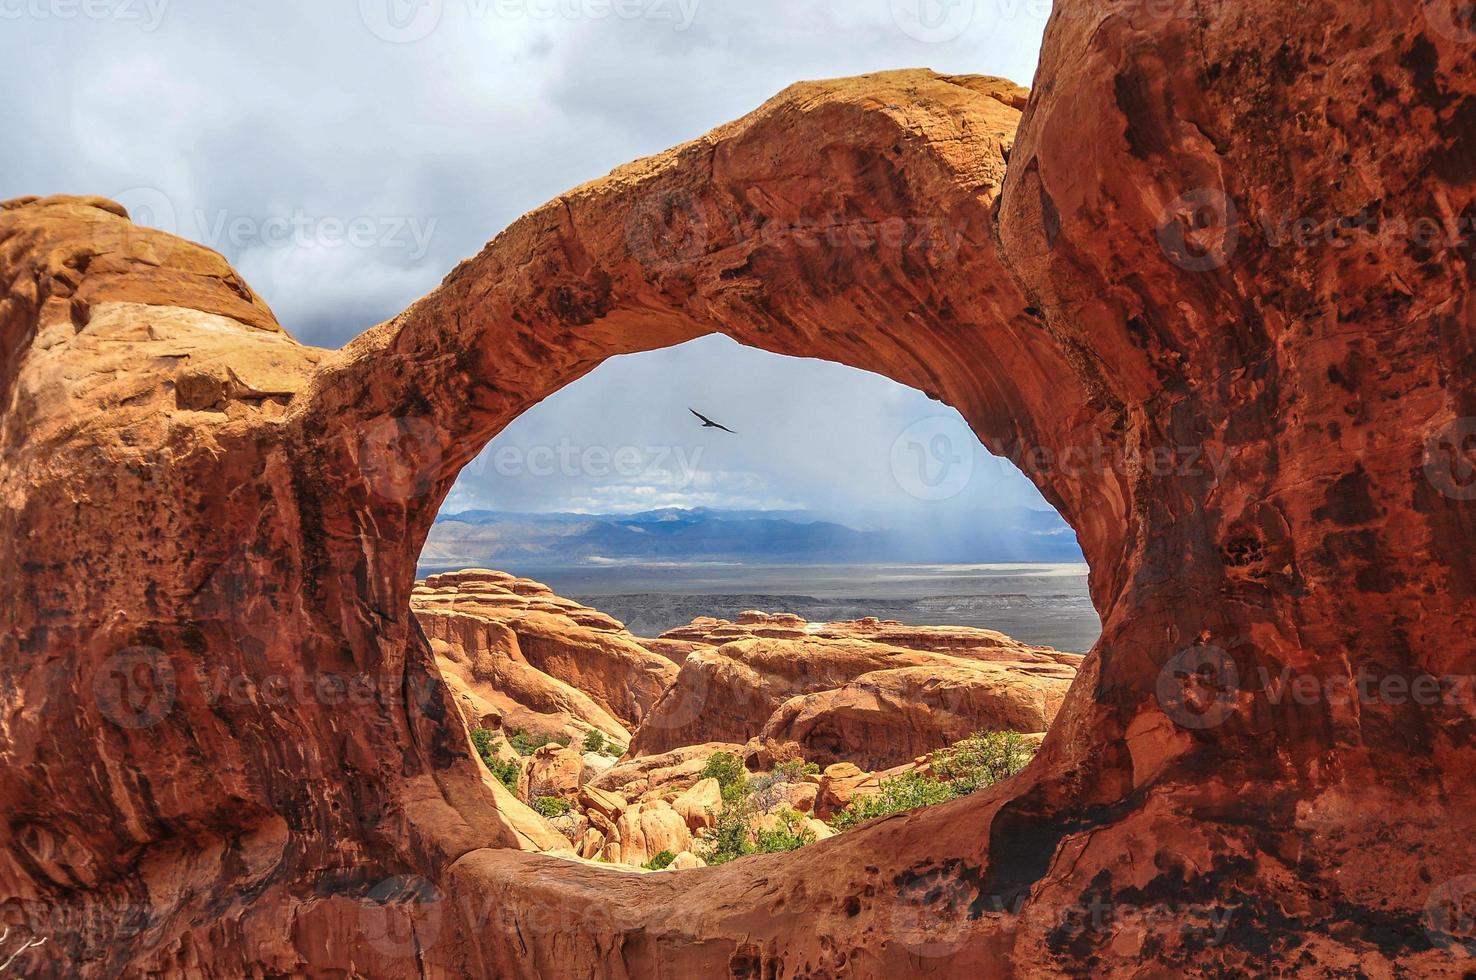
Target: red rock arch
x=186, y=489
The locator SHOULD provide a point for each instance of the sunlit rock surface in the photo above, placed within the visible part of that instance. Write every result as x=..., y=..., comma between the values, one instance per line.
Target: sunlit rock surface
x=209, y=531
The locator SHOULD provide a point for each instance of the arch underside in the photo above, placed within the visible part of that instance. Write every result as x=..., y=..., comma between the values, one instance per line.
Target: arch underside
x=208, y=488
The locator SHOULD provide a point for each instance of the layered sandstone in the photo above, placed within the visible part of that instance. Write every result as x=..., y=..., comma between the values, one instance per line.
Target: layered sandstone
x=189, y=499
x=513, y=649
x=831, y=700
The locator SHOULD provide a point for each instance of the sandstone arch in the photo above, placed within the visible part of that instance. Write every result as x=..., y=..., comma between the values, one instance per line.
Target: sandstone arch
x=185, y=485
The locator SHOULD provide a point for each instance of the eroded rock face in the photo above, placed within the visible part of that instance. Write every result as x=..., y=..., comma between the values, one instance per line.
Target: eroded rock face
x=195, y=510
x=830, y=700
x=549, y=664
x=884, y=718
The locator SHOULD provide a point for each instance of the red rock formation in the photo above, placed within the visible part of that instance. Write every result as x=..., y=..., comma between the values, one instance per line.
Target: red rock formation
x=884, y=718
x=198, y=513
x=559, y=653
x=834, y=700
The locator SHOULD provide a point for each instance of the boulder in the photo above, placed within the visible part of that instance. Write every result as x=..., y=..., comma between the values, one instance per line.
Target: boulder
x=647, y=829
x=552, y=770
x=661, y=774
x=685, y=861
x=700, y=805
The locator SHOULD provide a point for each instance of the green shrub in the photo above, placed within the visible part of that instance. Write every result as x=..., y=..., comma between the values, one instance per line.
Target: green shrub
x=728, y=770
x=506, y=772
x=790, y=835
x=660, y=861
x=905, y=792
x=729, y=839
x=552, y=806
x=482, y=742
x=966, y=766
x=594, y=740
x=526, y=743
x=981, y=760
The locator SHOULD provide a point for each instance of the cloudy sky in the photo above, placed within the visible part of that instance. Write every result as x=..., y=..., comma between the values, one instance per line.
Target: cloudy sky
x=345, y=154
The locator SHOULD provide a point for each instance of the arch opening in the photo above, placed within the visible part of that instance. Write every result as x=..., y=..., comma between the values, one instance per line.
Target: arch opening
x=827, y=595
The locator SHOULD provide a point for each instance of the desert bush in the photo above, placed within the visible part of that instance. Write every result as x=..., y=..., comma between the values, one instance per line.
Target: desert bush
x=728, y=770
x=552, y=806
x=594, y=740
x=766, y=790
x=790, y=835
x=905, y=792
x=981, y=760
x=966, y=766
x=526, y=742
x=506, y=772
x=660, y=861
x=730, y=837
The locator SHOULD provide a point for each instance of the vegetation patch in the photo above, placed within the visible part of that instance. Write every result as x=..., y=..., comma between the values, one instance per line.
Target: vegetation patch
x=595, y=741
x=526, y=743
x=660, y=861
x=506, y=772
x=552, y=806
x=965, y=767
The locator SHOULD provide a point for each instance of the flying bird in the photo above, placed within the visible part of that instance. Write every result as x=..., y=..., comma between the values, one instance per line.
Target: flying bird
x=708, y=423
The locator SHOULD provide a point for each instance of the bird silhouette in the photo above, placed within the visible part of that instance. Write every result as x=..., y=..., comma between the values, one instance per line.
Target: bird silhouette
x=708, y=423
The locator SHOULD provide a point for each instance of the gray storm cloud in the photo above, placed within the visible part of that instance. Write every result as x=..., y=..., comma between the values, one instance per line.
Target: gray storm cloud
x=345, y=155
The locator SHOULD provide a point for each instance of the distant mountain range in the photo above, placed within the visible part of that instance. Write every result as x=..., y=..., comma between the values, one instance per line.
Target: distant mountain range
x=490, y=538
